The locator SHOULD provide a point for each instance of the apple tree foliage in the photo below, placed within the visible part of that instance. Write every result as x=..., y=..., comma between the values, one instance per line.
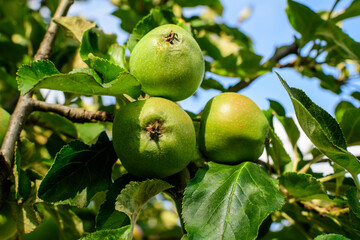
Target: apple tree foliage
x=66, y=175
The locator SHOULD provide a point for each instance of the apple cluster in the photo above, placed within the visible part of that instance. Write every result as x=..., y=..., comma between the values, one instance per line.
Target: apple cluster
x=155, y=138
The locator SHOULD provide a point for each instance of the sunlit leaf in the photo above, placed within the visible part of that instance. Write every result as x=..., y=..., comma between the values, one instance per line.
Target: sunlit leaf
x=229, y=202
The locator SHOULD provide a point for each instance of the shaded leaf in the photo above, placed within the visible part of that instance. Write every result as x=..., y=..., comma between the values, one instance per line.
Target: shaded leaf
x=22, y=181
x=288, y=123
x=352, y=11
x=214, y=4
x=113, y=234
x=26, y=217
x=277, y=107
x=108, y=217
x=229, y=202
x=331, y=236
x=353, y=200
x=211, y=83
x=74, y=26
x=350, y=125
x=75, y=167
x=54, y=122
x=356, y=95
x=341, y=108
x=71, y=226
x=277, y=152
x=89, y=131
x=322, y=130
x=134, y=196
x=303, y=186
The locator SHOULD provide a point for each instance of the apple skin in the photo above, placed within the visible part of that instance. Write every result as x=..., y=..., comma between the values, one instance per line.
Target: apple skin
x=4, y=123
x=7, y=222
x=232, y=129
x=150, y=155
x=170, y=70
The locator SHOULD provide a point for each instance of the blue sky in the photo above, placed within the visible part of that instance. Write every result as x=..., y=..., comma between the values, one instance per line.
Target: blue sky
x=268, y=27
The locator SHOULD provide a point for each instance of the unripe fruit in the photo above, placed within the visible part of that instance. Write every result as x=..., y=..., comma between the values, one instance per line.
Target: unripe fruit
x=168, y=63
x=4, y=122
x=233, y=129
x=153, y=138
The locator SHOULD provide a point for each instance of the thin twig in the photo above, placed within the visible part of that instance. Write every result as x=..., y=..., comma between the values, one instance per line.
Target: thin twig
x=332, y=176
x=305, y=168
x=73, y=113
x=332, y=9
x=279, y=54
x=24, y=106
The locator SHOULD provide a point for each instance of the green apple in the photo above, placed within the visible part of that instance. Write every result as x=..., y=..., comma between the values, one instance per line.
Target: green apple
x=232, y=129
x=7, y=222
x=168, y=63
x=154, y=138
x=4, y=122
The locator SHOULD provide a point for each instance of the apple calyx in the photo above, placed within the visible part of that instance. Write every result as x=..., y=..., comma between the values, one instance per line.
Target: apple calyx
x=154, y=130
x=171, y=37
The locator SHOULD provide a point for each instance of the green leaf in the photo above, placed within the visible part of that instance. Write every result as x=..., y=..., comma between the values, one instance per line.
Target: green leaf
x=71, y=226
x=331, y=236
x=229, y=202
x=114, y=234
x=352, y=11
x=327, y=81
x=26, y=216
x=322, y=130
x=29, y=75
x=211, y=83
x=96, y=42
x=277, y=107
x=356, y=95
x=101, y=52
x=22, y=181
x=353, y=201
x=79, y=172
x=288, y=123
x=117, y=55
x=277, y=152
x=303, y=20
x=108, y=217
x=213, y=4
x=43, y=74
x=311, y=26
x=74, y=26
x=335, y=37
x=54, y=122
x=303, y=186
x=89, y=131
x=155, y=18
x=350, y=125
x=134, y=196
x=291, y=129
x=341, y=108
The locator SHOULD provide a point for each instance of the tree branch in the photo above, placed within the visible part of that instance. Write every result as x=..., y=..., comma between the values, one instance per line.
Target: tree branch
x=73, y=113
x=24, y=106
x=279, y=54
